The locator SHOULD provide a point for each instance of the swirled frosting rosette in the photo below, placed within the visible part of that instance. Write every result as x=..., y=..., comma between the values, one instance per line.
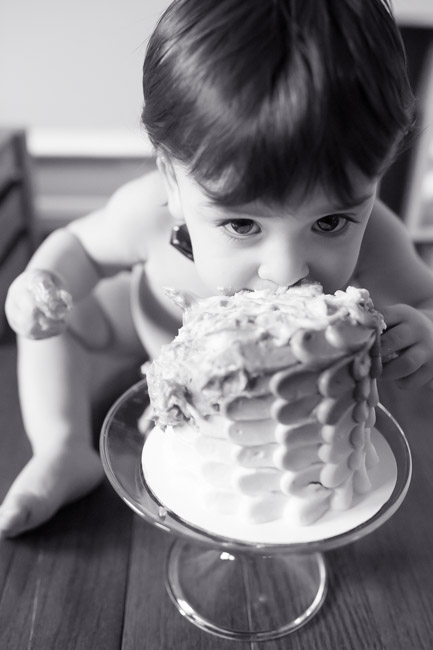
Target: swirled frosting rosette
x=267, y=399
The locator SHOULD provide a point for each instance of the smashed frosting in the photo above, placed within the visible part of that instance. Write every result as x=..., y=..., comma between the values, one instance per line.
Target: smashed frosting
x=228, y=343
x=267, y=398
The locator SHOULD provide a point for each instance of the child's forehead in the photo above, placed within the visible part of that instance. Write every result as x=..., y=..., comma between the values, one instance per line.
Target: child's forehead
x=316, y=200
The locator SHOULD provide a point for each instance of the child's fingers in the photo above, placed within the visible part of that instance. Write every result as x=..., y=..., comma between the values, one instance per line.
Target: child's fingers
x=407, y=363
x=19, y=305
x=394, y=314
x=422, y=377
x=22, y=320
x=46, y=327
x=397, y=338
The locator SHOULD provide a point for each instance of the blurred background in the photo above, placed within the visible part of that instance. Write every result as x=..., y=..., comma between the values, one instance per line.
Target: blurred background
x=70, y=104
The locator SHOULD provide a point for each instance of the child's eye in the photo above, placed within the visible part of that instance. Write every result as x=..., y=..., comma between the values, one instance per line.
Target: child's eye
x=332, y=223
x=241, y=227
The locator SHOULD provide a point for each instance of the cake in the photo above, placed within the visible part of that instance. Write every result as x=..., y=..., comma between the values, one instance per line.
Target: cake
x=266, y=400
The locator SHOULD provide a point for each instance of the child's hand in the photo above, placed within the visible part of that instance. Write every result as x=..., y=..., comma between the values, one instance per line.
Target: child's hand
x=37, y=307
x=407, y=346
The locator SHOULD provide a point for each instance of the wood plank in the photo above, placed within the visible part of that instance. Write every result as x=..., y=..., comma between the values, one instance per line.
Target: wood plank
x=151, y=620
x=63, y=586
x=14, y=447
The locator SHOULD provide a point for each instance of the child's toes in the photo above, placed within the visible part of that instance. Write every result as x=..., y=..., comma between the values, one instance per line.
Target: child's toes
x=13, y=518
x=20, y=513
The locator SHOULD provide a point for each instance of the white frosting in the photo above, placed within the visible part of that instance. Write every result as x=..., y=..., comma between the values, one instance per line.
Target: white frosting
x=217, y=512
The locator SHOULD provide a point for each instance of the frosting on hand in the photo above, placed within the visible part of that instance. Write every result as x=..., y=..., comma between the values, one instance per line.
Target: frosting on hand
x=37, y=305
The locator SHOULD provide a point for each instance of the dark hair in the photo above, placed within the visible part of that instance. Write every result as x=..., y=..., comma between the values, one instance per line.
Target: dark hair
x=273, y=96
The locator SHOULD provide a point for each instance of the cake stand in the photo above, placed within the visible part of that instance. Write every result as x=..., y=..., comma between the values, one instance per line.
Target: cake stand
x=228, y=587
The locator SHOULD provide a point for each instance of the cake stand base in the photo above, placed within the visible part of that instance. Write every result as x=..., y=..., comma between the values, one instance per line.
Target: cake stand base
x=245, y=596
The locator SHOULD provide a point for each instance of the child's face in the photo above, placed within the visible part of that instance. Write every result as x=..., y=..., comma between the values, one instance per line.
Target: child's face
x=257, y=246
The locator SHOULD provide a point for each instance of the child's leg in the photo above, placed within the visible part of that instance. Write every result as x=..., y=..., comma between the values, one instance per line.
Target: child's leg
x=58, y=380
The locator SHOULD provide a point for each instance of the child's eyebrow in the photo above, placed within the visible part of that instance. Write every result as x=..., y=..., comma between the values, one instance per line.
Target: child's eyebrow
x=248, y=211
x=355, y=202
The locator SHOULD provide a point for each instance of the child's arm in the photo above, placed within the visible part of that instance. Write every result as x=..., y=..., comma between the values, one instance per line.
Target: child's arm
x=72, y=260
x=401, y=286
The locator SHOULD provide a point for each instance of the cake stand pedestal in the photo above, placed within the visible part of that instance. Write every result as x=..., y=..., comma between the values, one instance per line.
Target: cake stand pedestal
x=242, y=595
x=234, y=589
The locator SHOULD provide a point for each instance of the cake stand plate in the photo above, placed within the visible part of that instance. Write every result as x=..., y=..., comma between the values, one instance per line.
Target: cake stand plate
x=235, y=588
x=182, y=496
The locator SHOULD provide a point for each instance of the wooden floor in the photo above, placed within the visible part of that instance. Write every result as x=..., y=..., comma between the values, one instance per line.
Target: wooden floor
x=93, y=577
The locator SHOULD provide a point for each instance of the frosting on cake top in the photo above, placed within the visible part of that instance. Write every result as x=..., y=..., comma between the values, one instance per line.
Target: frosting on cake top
x=227, y=342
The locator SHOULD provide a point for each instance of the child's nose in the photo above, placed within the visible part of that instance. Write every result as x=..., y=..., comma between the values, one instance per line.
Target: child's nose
x=285, y=266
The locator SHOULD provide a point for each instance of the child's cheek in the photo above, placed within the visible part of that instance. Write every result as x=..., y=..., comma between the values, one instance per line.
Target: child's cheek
x=216, y=276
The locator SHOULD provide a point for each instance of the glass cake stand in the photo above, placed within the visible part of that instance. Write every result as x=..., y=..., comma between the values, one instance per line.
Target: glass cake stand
x=228, y=587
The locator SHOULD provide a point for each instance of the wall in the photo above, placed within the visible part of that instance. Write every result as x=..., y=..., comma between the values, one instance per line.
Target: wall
x=414, y=12
x=73, y=64
x=70, y=73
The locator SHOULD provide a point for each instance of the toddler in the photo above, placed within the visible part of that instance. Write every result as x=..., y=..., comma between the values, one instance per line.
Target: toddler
x=272, y=122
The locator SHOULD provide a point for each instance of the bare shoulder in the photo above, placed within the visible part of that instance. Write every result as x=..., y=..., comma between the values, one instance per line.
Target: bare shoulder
x=121, y=231
x=140, y=197
x=384, y=227
x=389, y=265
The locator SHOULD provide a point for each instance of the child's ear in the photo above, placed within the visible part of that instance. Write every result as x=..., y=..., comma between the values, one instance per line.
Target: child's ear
x=168, y=174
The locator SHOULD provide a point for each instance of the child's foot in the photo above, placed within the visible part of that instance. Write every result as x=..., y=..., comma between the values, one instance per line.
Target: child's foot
x=46, y=483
